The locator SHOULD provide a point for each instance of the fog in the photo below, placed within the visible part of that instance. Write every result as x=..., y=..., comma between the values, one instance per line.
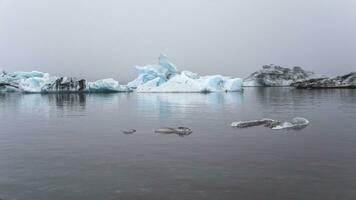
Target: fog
x=106, y=38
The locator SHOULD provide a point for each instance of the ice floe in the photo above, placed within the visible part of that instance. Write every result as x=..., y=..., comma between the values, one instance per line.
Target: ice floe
x=181, y=131
x=295, y=123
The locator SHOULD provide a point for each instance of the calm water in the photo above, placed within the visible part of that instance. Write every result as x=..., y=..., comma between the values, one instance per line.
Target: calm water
x=70, y=146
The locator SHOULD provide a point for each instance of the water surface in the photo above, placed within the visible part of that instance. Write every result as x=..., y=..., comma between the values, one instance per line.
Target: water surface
x=71, y=146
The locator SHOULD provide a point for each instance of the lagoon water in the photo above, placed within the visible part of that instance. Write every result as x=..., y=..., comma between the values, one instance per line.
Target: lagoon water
x=71, y=146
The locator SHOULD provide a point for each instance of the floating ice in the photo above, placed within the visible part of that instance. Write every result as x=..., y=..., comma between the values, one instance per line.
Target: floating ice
x=181, y=131
x=274, y=76
x=22, y=81
x=165, y=78
x=295, y=123
x=161, y=72
x=106, y=85
x=162, y=77
x=38, y=82
x=129, y=131
x=265, y=121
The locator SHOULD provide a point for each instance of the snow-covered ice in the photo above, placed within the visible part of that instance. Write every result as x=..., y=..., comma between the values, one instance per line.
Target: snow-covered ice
x=164, y=77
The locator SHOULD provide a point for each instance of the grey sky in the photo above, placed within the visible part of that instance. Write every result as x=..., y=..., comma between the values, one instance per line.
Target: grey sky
x=106, y=38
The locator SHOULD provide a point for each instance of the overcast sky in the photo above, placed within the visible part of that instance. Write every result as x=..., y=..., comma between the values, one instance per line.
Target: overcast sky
x=106, y=38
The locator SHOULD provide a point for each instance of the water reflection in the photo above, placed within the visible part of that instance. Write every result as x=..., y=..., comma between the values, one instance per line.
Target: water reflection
x=179, y=105
x=267, y=102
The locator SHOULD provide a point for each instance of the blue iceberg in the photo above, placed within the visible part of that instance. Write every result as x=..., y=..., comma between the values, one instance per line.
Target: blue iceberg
x=164, y=77
x=39, y=82
x=161, y=77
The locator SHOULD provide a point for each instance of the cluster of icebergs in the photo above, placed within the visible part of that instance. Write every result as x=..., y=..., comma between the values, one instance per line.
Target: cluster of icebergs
x=162, y=77
x=39, y=82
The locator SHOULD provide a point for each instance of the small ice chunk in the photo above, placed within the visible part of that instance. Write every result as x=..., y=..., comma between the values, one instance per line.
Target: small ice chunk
x=129, y=131
x=165, y=130
x=298, y=122
x=181, y=131
x=250, y=123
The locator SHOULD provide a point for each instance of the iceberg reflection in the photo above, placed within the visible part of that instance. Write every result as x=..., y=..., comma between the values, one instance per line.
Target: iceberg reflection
x=180, y=105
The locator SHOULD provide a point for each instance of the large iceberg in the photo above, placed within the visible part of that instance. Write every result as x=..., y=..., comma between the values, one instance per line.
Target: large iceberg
x=345, y=81
x=39, y=82
x=276, y=76
x=161, y=72
x=164, y=77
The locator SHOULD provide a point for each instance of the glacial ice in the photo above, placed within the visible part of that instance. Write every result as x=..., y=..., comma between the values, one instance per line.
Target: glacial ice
x=244, y=124
x=161, y=72
x=181, y=131
x=295, y=123
x=106, y=85
x=22, y=81
x=38, y=82
x=161, y=77
x=164, y=77
x=298, y=122
x=276, y=76
x=345, y=81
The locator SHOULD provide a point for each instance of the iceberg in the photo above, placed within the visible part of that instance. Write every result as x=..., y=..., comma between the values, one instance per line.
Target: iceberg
x=277, y=76
x=13, y=82
x=181, y=131
x=161, y=72
x=345, y=81
x=106, y=85
x=39, y=82
x=295, y=123
x=265, y=122
x=164, y=77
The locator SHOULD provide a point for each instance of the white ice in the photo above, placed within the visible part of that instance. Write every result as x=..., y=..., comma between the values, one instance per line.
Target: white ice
x=161, y=72
x=161, y=77
x=39, y=82
x=106, y=85
x=164, y=77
